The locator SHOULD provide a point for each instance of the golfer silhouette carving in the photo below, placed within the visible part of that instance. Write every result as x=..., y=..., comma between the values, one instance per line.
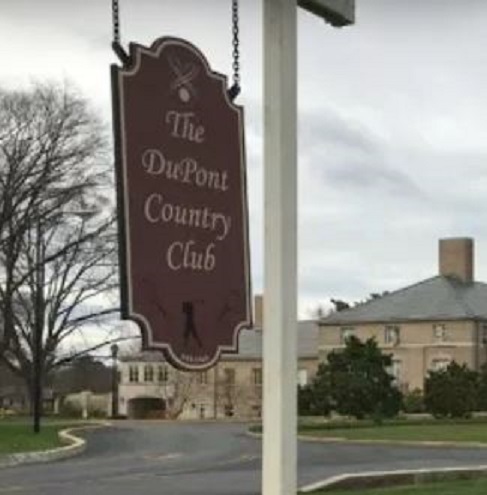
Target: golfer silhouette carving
x=190, y=330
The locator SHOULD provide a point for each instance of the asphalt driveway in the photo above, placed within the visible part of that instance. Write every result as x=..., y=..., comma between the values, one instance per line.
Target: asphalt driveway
x=157, y=458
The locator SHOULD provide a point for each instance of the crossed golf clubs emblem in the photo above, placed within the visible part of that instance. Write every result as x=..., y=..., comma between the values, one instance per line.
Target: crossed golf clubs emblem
x=185, y=73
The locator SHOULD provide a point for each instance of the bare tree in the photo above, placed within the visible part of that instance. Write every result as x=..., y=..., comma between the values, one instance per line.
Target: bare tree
x=183, y=387
x=57, y=239
x=237, y=396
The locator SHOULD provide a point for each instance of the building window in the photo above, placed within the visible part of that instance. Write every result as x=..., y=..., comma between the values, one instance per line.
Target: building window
x=133, y=374
x=440, y=364
x=439, y=332
x=484, y=334
x=392, y=335
x=395, y=370
x=203, y=378
x=229, y=376
x=162, y=374
x=346, y=333
x=257, y=376
x=148, y=373
x=228, y=409
x=302, y=377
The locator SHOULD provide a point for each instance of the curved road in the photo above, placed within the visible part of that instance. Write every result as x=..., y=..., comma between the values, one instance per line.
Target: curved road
x=159, y=458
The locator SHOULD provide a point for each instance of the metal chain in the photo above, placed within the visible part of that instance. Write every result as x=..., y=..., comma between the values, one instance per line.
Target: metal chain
x=116, y=21
x=236, y=44
x=235, y=41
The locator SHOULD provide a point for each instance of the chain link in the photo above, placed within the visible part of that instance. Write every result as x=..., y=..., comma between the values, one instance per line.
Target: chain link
x=116, y=21
x=236, y=44
x=235, y=41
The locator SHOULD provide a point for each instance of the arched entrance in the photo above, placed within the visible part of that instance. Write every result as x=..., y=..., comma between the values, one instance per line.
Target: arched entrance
x=147, y=408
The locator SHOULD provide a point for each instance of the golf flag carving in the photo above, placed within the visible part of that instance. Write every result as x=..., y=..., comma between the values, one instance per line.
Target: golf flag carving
x=182, y=203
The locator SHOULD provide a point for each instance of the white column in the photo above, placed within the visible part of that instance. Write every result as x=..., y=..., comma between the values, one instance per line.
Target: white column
x=85, y=401
x=280, y=288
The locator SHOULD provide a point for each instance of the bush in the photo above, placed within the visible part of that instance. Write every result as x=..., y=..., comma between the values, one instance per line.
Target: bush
x=305, y=400
x=97, y=414
x=451, y=392
x=355, y=382
x=6, y=413
x=69, y=410
x=311, y=403
x=413, y=402
x=482, y=390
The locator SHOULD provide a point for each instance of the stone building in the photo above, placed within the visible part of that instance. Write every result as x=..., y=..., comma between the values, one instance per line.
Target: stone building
x=426, y=325
x=149, y=387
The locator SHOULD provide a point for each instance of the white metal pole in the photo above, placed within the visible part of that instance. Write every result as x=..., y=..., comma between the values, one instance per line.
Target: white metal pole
x=279, y=476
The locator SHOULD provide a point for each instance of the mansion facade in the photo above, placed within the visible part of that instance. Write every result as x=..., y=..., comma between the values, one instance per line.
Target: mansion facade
x=424, y=326
x=150, y=388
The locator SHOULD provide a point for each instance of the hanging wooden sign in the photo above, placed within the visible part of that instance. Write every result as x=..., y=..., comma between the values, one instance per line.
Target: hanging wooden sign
x=182, y=203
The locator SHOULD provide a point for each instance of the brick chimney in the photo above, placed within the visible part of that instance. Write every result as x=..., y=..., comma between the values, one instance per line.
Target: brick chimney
x=456, y=258
x=258, y=310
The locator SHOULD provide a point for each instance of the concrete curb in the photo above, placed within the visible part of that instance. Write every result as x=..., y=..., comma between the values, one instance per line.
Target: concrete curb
x=350, y=481
x=377, y=479
x=76, y=446
x=398, y=443
x=253, y=434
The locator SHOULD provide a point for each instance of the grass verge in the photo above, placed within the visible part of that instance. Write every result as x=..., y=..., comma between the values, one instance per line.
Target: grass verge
x=473, y=430
x=19, y=437
x=465, y=487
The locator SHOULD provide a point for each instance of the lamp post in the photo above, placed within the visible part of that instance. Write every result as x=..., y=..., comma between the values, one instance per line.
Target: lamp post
x=114, y=351
x=279, y=476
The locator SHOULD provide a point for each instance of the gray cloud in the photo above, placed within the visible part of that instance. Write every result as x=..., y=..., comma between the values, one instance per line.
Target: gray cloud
x=346, y=155
x=392, y=121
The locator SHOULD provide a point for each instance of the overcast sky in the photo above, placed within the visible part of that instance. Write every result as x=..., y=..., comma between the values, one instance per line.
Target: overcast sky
x=392, y=130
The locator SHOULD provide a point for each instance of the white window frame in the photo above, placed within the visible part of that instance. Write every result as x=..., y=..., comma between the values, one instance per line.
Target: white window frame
x=392, y=334
x=439, y=332
x=484, y=334
x=346, y=333
x=395, y=370
x=148, y=373
x=256, y=377
x=133, y=373
x=440, y=363
x=203, y=378
x=302, y=377
x=162, y=373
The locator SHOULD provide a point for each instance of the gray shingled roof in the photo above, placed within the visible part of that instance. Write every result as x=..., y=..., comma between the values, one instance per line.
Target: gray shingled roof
x=250, y=342
x=437, y=298
x=144, y=357
x=250, y=345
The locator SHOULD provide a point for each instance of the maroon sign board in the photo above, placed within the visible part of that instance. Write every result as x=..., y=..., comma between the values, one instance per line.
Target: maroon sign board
x=182, y=200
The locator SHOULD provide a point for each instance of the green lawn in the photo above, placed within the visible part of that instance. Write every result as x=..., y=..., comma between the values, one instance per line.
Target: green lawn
x=18, y=437
x=469, y=487
x=433, y=431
